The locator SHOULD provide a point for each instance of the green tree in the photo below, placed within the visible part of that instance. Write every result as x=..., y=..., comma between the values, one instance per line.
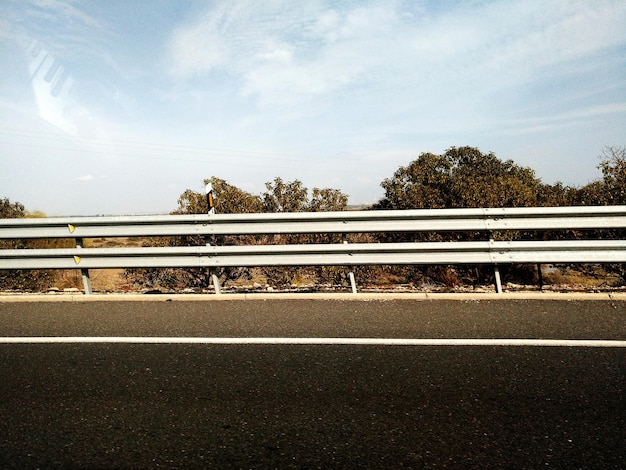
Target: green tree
x=229, y=199
x=285, y=197
x=327, y=199
x=555, y=195
x=424, y=183
x=611, y=189
x=292, y=196
x=592, y=194
x=280, y=196
x=483, y=180
x=11, y=210
x=613, y=166
x=30, y=280
x=461, y=177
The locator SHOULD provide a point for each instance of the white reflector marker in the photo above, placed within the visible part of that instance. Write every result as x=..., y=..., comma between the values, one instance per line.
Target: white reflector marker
x=586, y=343
x=209, y=198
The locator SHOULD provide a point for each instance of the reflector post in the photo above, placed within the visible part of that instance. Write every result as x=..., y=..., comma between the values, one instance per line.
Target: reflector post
x=209, y=199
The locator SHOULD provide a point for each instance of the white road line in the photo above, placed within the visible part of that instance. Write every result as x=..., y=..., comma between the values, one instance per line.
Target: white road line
x=313, y=341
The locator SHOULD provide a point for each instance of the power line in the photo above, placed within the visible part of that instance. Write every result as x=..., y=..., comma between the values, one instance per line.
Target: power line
x=156, y=147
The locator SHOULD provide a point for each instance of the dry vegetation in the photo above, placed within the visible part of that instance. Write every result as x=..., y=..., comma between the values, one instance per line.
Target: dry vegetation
x=586, y=278
x=461, y=177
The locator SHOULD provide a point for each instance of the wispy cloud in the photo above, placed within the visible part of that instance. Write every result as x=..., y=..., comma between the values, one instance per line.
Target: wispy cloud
x=306, y=49
x=344, y=91
x=277, y=48
x=65, y=28
x=551, y=122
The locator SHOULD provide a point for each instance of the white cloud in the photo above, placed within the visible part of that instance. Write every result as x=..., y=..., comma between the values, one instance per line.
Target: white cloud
x=282, y=54
x=344, y=91
x=67, y=11
x=197, y=49
x=552, y=122
x=311, y=50
x=276, y=52
x=229, y=36
x=325, y=26
x=65, y=29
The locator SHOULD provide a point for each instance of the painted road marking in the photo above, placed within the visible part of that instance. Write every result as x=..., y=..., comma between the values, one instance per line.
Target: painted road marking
x=586, y=343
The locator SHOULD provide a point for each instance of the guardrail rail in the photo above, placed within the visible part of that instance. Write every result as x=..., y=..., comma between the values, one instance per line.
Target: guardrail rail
x=486, y=220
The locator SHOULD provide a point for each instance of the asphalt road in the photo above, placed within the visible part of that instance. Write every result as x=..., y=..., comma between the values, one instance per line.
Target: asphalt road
x=109, y=405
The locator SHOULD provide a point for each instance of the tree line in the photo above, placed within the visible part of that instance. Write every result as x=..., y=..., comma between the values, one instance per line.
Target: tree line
x=30, y=280
x=460, y=177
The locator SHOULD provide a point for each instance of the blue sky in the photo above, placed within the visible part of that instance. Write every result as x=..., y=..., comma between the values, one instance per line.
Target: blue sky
x=117, y=107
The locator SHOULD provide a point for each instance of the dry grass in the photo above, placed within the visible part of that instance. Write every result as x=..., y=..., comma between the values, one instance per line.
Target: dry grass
x=598, y=278
x=102, y=280
x=122, y=242
x=112, y=280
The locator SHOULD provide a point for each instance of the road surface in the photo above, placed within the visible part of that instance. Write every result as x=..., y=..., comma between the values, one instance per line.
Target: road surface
x=98, y=403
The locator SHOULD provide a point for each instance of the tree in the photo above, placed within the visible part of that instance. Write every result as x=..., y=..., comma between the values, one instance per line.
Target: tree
x=461, y=177
x=229, y=199
x=293, y=197
x=11, y=210
x=31, y=280
x=611, y=189
x=555, y=195
x=285, y=197
x=613, y=166
x=279, y=196
x=482, y=180
x=424, y=183
x=327, y=199
x=592, y=194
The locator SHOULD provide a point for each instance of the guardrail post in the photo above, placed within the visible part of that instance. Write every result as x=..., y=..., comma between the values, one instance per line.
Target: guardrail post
x=213, y=272
x=216, y=281
x=210, y=200
x=496, y=273
x=496, y=270
x=84, y=272
x=351, y=272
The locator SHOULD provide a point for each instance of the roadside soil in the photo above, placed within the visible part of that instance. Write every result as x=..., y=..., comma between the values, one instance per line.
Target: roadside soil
x=555, y=279
x=114, y=281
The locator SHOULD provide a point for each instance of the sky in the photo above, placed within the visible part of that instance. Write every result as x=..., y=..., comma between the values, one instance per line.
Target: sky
x=118, y=107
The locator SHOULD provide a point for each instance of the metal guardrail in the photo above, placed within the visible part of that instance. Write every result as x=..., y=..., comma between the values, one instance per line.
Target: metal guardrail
x=437, y=220
x=434, y=220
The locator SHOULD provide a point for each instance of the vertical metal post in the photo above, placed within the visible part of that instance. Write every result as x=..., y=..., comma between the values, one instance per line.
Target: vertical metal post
x=84, y=272
x=211, y=211
x=540, y=276
x=344, y=238
x=213, y=272
x=352, y=282
x=216, y=282
x=496, y=270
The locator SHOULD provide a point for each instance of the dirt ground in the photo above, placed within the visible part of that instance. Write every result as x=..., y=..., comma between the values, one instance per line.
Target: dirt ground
x=114, y=281
x=594, y=279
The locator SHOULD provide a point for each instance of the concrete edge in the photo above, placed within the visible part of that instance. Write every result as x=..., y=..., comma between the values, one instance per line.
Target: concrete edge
x=618, y=296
